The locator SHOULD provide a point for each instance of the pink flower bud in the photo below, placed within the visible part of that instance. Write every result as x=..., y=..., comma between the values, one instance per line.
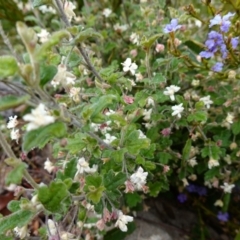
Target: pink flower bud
x=128, y=99
x=134, y=53
x=159, y=47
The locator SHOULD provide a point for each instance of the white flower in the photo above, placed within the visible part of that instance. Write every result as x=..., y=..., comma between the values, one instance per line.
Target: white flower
x=177, y=110
x=198, y=23
x=122, y=221
x=195, y=83
x=95, y=126
x=22, y=232
x=121, y=28
x=147, y=114
x=43, y=35
x=108, y=138
x=83, y=166
x=48, y=165
x=150, y=102
x=192, y=177
x=13, y=122
x=110, y=112
x=218, y=203
x=212, y=163
x=192, y=162
x=185, y=182
x=139, y=77
x=230, y=118
x=227, y=188
x=207, y=101
x=129, y=66
x=38, y=117
x=139, y=178
x=134, y=38
x=52, y=227
x=74, y=94
x=45, y=9
x=170, y=91
x=68, y=9
x=107, y=12
x=15, y=135
x=141, y=134
x=63, y=76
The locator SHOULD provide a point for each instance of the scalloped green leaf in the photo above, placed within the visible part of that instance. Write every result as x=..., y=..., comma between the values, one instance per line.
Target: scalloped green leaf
x=41, y=136
x=52, y=197
x=11, y=101
x=8, y=67
x=87, y=34
x=19, y=218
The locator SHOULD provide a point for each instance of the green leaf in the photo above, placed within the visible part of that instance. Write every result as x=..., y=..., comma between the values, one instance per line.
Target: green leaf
x=164, y=157
x=95, y=194
x=19, y=218
x=12, y=101
x=8, y=67
x=93, y=180
x=133, y=143
x=38, y=3
x=149, y=165
x=52, y=197
x=3, y=237
x=158, y=78
x=210, y=174
x=199, y=116
x=154, y=188
x=211, y=151
x=14, y=206
x=76, y=144
x=54, y=40
x=94, y=188
x=226, y=201
x=41, y=136
x=101, y=104
x=70, y=169
x=87, y=34
x=147, y=43
x=118, y=155
x=15, y=176
x=236, y=127
x=47, y=72
x=132, y=199
x=113, y=181
x=237, y=236
x=186, y=150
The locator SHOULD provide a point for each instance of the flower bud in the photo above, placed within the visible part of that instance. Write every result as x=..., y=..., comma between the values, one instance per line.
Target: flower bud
x=233, y=145
x=232, y=75
x=159, y=47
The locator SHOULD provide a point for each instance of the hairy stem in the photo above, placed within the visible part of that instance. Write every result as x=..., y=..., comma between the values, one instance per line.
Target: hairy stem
x=80, y=48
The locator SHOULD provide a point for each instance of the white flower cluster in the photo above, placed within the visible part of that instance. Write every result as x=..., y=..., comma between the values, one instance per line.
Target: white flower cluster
x=13, y=122
x=139, y=179
x=38, y=117
x=122, y=221
x=177, y=109
x=128, y=65
x=83, y=167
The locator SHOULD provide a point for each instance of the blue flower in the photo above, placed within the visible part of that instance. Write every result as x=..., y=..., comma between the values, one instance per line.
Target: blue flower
x=172, y=27
x=234, y=42
x=222, y=21
x=182, y=197
x=202, y=191
x=223, y=216
x=217, y=67
x=214, y=43
x=191, y=188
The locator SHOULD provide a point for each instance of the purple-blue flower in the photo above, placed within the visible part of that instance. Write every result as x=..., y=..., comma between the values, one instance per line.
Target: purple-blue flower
x=223, y=216
x=172, y=27
x=234, y=42
x=202, y=191
x=214, y=43
x=222, y=21
x=192, y=188
x=182, y=197
x=217, y=67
